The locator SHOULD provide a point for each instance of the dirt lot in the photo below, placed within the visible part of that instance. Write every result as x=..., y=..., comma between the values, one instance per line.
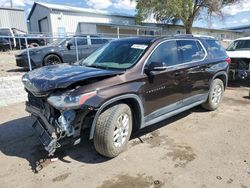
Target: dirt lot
x=194, y=149
x=8, y=64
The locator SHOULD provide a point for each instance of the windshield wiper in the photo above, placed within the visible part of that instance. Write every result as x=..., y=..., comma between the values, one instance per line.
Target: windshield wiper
x=96, y=66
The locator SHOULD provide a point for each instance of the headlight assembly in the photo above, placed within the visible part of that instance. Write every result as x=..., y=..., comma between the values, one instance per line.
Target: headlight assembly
x=64, y=101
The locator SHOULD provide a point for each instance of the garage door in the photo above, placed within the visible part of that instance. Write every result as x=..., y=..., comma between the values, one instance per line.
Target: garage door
x=44, y=25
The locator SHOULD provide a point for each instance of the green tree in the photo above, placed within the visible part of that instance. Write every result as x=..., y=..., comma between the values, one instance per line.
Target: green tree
x=185, y=10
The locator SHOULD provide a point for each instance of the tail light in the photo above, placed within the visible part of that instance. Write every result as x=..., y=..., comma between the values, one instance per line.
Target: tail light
x=228, y=60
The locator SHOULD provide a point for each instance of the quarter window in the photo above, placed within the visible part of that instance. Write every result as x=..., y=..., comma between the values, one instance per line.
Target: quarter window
x=191, y=50
x=217, y=50
x=166, y=52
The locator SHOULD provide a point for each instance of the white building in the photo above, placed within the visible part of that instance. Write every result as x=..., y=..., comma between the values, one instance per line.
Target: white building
x=244, y=28
x=13, y=18
x=61, y=20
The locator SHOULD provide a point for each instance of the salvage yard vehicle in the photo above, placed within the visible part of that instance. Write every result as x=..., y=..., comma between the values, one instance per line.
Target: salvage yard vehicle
x=239, y=52
x=126, y=85
x=12, y=38
x=61, y=51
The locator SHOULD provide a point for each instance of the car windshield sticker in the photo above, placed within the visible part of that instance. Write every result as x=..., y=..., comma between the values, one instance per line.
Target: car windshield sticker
x=139, y=46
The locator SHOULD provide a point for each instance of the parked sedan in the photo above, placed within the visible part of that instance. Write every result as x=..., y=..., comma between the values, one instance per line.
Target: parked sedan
x=5, y=44
x=61, y=51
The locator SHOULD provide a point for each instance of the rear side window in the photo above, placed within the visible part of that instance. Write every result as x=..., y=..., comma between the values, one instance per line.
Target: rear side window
x=165, y=52
x=191, y=50
x=82, y=41
x=5, y=32
x=216, y=49
x=98, y=41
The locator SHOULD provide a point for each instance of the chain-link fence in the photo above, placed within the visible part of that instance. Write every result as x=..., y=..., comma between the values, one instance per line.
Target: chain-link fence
x=32, y=52
x=38, y=50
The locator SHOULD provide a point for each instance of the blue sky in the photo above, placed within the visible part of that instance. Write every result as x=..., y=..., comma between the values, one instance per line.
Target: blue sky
x=235, y=15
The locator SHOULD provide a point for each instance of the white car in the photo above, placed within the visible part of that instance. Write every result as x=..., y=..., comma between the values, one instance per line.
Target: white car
x=239, y=52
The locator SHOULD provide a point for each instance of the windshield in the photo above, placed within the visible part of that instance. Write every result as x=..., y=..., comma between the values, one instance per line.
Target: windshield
x=5, y=32
x=59, y=42
x=239, y=45
x=119, y=54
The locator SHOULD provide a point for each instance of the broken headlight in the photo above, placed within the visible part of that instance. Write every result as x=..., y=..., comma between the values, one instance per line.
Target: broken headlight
x=64, y=101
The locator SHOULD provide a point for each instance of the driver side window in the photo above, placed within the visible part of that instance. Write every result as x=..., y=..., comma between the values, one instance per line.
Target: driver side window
x=165, y=52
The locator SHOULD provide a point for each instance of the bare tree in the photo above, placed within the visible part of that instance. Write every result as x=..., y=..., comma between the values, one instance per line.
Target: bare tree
x=185, y=10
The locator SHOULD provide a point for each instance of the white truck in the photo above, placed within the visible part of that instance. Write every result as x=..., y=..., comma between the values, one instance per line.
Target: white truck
x=239, y=52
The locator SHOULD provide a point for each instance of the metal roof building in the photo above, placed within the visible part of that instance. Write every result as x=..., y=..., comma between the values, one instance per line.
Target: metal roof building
x=59, y=20
x=243, y=28
x=13, y=18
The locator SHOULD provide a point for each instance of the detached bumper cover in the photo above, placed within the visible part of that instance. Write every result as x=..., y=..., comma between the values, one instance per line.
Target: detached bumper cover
x=45, y=132
x=50, y=143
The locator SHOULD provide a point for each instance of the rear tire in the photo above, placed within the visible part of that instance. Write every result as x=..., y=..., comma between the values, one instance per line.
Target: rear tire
x=52, y=59
x=113, y=130
x=34, y=45
x=215, y=95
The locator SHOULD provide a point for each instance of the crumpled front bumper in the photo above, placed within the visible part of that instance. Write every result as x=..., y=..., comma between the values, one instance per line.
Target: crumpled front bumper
x=44, y=130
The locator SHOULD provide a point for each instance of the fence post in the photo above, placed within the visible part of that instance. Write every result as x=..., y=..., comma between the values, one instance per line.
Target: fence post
x=118, y=32
x=10, y=44
x=28, y=53
x=77, y=55
x=20, y=46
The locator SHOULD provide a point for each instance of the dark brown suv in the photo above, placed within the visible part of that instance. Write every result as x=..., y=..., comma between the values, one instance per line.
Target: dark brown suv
x=126, y=85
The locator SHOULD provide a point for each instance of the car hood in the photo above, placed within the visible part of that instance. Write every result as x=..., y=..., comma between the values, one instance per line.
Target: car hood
x=36, y=49
x=238, y=54
x=45, y=79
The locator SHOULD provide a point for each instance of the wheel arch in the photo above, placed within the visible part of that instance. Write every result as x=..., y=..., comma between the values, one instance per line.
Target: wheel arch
x=52, y=53
x=134, y=103
x=221, y=75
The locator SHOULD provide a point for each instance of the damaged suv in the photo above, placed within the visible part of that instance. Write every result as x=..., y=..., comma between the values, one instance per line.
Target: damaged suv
x=126, y=85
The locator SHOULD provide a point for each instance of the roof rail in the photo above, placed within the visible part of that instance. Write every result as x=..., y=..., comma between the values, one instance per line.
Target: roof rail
x=204, y=36
x=183, y=35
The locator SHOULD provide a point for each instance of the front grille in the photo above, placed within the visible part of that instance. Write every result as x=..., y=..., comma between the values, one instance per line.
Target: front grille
x=46, y=109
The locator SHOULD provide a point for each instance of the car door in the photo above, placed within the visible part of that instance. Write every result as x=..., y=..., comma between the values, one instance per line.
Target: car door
x=83, y=46
x=194, y=65
x=164, y=89
x=68, y=51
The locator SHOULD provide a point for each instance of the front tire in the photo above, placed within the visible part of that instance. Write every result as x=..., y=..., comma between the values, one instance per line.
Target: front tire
x=113, y=130
x=52, y=59
x=215, y=95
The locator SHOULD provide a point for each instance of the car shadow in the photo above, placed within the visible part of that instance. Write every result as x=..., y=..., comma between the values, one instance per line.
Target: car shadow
x=18, y=139
x=239, y=83
x=21, y=70
x=168, y=121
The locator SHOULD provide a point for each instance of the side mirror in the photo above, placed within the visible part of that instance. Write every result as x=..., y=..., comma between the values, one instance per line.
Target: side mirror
x=68, y=45
x=155, y=66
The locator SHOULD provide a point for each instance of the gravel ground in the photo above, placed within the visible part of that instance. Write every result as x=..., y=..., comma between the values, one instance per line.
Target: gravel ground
x=194, y=149
x=8, y=64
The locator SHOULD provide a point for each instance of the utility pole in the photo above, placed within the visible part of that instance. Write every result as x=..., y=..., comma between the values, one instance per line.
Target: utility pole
x=11, y=4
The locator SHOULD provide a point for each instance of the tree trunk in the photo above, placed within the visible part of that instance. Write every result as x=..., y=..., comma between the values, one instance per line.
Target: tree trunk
x=188, y=26
x=188, y=29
